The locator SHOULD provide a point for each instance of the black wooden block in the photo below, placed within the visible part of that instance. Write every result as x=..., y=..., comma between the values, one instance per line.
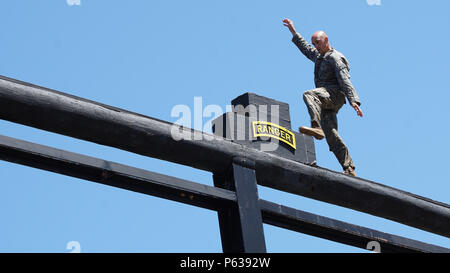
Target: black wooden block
x=238, y=128
x=266, y=108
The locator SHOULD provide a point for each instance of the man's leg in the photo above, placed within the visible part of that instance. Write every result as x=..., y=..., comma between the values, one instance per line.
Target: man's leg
x=335, y=142
x=315, y=100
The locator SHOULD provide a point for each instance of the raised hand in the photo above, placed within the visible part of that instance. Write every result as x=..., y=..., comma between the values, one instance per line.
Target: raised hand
x=289, y=24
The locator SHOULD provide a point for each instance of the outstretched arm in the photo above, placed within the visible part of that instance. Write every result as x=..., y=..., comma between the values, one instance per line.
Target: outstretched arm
x=309, y=51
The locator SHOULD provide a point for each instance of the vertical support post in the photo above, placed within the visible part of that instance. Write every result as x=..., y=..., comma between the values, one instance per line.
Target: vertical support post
x=241, y=227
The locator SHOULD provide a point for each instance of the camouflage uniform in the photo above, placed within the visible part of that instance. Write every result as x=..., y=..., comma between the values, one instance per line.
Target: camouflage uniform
x=332, y=80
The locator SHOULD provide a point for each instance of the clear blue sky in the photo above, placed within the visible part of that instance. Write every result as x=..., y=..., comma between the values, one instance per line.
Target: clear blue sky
x=148, y=56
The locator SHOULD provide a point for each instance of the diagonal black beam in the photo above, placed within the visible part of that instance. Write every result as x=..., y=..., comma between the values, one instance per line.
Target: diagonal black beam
x=150, y=183
x=114, y=174
x=339, y=231
x=61, y=113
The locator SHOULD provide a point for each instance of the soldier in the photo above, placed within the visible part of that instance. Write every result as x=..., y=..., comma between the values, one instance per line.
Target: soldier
x=332, y=80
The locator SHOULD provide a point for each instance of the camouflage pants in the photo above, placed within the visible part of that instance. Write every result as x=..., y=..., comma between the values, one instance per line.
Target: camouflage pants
x=323, y=105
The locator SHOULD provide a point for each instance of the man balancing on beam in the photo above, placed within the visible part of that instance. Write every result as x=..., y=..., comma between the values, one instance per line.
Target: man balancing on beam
x=332, y=80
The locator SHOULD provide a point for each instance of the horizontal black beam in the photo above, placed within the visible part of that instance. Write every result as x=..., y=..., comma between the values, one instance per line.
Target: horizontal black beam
x=150, y=183
x=65, y=114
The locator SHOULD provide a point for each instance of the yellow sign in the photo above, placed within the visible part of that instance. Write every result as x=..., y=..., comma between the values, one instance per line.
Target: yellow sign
x=269, y=129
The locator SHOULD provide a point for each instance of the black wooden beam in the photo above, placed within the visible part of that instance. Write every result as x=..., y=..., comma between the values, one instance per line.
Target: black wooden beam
x=114, y=174
x=159, y=185
x=338, y=231
x=241, y=226
x=61, y=113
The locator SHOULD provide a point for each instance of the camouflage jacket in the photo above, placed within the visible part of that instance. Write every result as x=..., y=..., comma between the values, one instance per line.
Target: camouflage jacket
x=331, y=69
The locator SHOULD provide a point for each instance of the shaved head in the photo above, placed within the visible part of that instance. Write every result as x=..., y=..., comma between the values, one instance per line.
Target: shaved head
x=319, y=35
x=320, y=41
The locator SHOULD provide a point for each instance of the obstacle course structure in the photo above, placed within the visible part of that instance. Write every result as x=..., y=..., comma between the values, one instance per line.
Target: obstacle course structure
x=238, y=166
